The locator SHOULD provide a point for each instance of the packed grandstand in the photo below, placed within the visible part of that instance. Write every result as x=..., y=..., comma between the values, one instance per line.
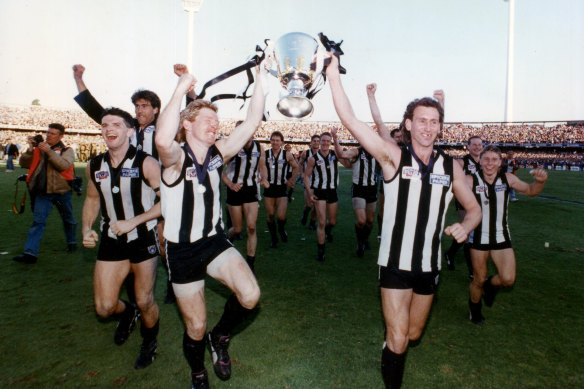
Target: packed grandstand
x=558, y=145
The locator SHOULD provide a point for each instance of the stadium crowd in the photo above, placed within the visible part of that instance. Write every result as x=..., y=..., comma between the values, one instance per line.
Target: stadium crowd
x=19, y=122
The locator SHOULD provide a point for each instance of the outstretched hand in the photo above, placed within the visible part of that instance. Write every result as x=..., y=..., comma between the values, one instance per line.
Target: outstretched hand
x=180, y=69
x=371, y=89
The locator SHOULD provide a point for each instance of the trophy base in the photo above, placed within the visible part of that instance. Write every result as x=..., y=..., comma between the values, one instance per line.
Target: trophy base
x=296, y=107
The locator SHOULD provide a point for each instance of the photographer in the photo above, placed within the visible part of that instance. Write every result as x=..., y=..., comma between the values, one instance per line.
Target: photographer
x=50, y=171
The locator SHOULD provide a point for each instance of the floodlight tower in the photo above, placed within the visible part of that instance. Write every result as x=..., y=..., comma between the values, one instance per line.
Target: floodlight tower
x=192, y=7
x=510, y=51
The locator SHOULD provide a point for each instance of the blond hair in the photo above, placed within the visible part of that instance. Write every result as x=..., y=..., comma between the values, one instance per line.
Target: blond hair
x=190, y=113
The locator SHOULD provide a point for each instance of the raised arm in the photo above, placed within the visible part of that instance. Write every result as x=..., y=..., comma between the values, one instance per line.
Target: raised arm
x=242, y=133
x=383, y=151
x=376, y=114
x=85, y=99
x=89, y=214
x=179, y=70
x=531, y=190
x=168, y=124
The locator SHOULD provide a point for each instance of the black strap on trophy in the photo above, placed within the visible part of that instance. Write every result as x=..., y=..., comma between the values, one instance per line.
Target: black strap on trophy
x=247, y=66
x=300, y=67
x=15, y=209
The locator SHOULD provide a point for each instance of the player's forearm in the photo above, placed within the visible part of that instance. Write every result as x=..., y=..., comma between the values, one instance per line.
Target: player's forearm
x=89, y=214
x=152, y=213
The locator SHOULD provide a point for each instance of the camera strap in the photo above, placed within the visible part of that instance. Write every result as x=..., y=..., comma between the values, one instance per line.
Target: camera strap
x=15, y=209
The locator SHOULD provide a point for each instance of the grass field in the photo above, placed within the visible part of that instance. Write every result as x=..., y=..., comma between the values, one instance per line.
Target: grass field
x=318, y=325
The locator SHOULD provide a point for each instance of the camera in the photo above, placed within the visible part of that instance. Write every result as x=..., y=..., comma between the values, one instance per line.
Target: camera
x=37, y=139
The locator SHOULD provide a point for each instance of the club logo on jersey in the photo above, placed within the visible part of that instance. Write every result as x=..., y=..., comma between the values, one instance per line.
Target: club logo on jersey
x=501, y=188
x=215, y=163
x=130, y=172
x=271, y=160
x=241, y=154
x=281, y=161
x=480, y=189
x=319, y=162
x=149, y=129
x=439, y=179
x=191, y=174
x=152, y=249
x=472, y=168
x=255, y=154
x=410, y=173
x=101, y=175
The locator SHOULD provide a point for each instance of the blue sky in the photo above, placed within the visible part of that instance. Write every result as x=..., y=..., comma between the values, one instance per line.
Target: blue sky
x=409, y=48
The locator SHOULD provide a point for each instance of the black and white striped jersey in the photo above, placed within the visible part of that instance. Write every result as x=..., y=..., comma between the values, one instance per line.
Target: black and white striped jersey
x=123, y=192
x=191, y=210
x=309, y=153
x=144, y=139
x=243, y=168
x=277, y=166
x=416, y=201
x=469, y=165
x=325, y=174
x=364, y=168
x=494, y=201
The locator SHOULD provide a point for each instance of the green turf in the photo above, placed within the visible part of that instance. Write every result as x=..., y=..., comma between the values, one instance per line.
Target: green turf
x=319, y=325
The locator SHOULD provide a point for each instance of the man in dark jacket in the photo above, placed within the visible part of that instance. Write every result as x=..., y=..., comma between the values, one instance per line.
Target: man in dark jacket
x=50, y=171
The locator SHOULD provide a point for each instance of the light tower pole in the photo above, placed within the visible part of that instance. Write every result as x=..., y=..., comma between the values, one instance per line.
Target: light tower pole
x=510, y=51
x=192, y=7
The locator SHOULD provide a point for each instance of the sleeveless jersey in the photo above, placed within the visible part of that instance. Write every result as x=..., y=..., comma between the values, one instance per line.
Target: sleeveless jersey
x=123, y=192
x=416, y=201
x=191, y=214
x=494, y=200
x=243, y=167
x=277, y=165
x=325, y=174
x=364, y=169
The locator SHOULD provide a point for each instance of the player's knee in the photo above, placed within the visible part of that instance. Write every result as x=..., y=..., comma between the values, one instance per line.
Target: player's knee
x=415, y=333
x=360, y=223
x=507, y=280
x=398, y=343
x=251, y=230
x=235, y=230
x=196, y=328
x=144, y=302
x=270, y=218
x=250, y=296
x=105, y=308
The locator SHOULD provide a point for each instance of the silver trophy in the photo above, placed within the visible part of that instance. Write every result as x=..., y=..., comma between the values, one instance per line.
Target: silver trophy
x=295, y=56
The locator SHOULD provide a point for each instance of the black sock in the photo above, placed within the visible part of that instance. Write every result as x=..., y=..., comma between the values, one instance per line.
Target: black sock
x=272, y=229
x=194, y=351
x=250, y=259
x=466, y=249
x=149, y=334
x=367, y=231
x=281, y=224
x=126, y=312
x=233, y=315
x=320, y=248
x=129, y=284
x=392, y=368
x=306, y=210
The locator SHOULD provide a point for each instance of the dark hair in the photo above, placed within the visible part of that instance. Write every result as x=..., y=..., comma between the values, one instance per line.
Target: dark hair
x=147, y=95
x=474, y=137
x=392, y=133
x=58, y=126
x=128, y=120
x=314, y=136
x=277, y=133
x=493, y=149
x=424, y=102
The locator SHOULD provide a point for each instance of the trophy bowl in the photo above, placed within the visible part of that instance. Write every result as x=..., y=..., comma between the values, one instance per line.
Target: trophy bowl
x=294, y=54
